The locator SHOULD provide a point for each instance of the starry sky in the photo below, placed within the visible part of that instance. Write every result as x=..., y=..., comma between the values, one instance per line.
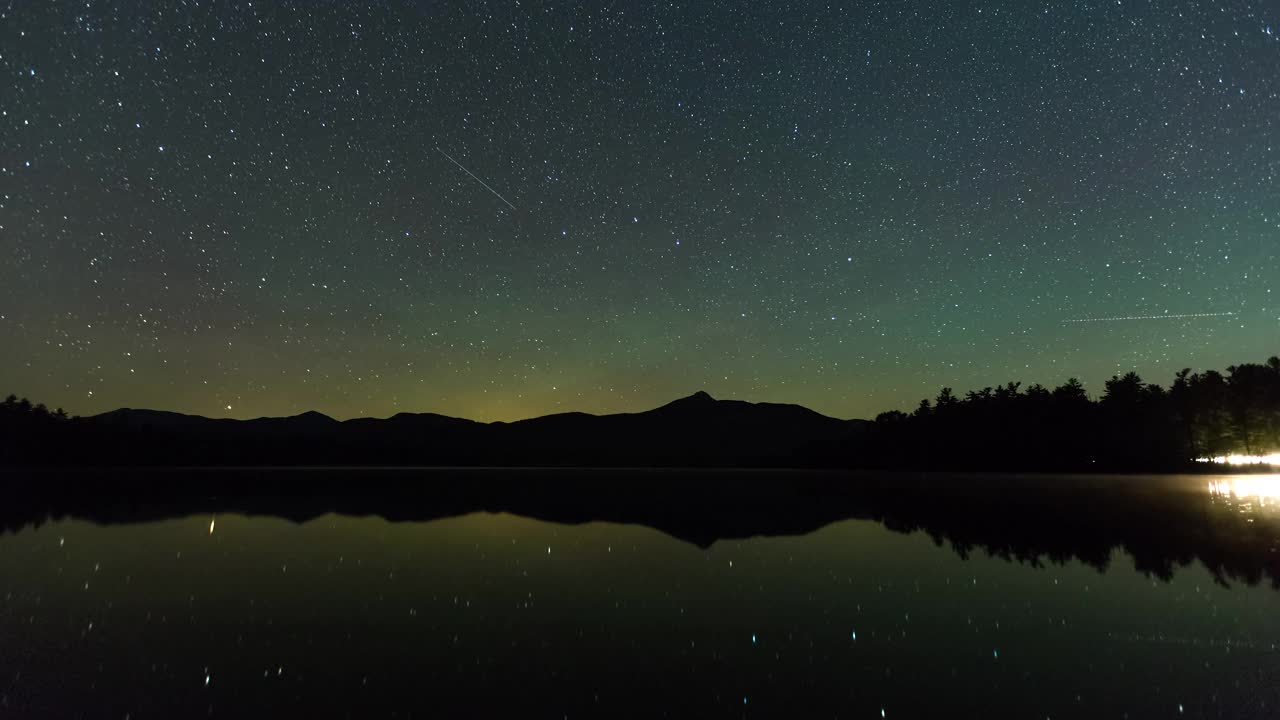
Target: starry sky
x=242, y=209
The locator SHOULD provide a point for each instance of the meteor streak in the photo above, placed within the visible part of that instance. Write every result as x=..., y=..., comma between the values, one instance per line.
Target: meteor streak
x=1149, y=317
x=473, y=175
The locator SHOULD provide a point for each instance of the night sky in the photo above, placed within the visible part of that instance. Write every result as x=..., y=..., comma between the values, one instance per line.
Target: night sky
x=243, y=209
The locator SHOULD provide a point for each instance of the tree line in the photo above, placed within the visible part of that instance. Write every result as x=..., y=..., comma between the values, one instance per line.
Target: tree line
x=1134, y=425
x=30, y=434
x=13, y=410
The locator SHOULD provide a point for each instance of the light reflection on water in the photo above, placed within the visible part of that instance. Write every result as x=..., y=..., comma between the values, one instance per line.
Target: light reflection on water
x=1264, y=489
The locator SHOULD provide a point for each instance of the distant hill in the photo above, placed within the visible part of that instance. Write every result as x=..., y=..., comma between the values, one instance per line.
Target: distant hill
x=694, y=431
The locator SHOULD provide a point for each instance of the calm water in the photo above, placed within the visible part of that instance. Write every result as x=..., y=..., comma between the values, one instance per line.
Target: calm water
x=491, y=613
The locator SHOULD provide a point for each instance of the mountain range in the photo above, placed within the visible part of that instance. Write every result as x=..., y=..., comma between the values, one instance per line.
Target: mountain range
x=693, y=431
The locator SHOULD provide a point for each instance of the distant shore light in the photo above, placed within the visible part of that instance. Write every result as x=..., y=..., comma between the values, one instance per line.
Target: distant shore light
x=1272, y=459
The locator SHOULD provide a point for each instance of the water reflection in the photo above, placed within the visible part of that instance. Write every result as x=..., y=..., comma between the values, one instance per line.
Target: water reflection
x=484, y=614
x=1263, y=488
x=1229, y=524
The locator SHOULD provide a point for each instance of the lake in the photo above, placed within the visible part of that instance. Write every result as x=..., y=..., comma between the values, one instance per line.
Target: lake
x=408, y=593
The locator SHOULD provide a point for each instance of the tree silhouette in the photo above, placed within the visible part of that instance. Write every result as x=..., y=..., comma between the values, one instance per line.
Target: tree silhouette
x=1247, y=387
x=1134, y=425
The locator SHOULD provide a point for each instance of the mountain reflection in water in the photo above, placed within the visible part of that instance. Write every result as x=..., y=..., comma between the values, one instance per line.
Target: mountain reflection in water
x=349, y=593
x=1229, y=523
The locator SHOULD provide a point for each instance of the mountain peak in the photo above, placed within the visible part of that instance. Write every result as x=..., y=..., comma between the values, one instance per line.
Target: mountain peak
x=313, y=416
x=696, y=401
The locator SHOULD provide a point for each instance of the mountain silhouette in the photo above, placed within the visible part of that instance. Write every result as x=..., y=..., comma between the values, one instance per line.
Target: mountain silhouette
x=1133, y=426
x=696, y=431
